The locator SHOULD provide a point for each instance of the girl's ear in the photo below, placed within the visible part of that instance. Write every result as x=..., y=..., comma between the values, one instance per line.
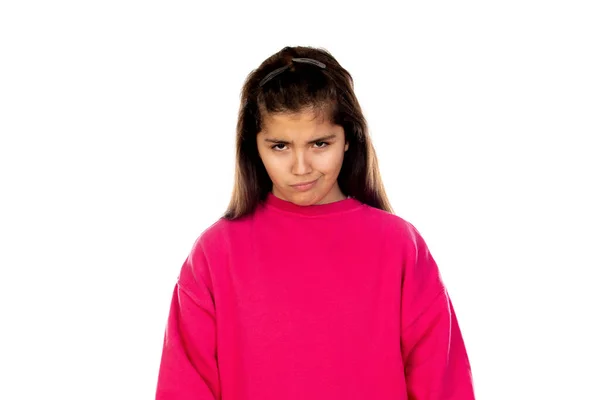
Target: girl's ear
x=346, y=147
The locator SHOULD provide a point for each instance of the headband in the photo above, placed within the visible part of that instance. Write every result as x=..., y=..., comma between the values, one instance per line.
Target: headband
x=278, y=71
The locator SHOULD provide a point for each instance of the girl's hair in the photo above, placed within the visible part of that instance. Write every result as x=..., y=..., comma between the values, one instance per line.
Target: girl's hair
x=329, y=92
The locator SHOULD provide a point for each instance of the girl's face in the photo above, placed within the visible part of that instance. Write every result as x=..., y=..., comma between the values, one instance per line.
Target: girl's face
x=303, y=156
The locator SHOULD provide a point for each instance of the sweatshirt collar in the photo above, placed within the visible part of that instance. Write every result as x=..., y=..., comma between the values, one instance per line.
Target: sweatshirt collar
x=312, y=210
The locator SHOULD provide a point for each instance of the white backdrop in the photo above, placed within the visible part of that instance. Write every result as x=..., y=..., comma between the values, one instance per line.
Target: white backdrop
x=117, y=124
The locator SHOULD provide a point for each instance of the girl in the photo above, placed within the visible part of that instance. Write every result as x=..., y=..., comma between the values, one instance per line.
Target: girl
x=309, y=287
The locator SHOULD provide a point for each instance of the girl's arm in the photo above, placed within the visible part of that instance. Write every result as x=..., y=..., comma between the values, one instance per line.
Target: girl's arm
x=188, y=368
x=436, y=363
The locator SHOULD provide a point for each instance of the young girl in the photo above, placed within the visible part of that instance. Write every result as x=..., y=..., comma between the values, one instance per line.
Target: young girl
x=309, y=287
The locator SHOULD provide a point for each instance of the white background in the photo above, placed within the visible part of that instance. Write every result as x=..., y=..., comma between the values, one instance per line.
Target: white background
x=117, y=124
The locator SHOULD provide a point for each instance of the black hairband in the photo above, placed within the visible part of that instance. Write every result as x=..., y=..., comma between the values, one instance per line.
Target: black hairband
x=278, y=71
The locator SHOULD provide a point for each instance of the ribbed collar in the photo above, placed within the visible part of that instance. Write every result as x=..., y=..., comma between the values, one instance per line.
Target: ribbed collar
x=313, y=210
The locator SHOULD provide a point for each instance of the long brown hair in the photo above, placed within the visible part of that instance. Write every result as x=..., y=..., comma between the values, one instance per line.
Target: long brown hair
x=302, y=86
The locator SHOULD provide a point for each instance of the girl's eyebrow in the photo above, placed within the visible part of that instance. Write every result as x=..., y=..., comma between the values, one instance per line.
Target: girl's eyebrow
x=321, y=139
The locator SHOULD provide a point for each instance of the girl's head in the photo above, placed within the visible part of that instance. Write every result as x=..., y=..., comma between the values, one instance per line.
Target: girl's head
x=300, y=122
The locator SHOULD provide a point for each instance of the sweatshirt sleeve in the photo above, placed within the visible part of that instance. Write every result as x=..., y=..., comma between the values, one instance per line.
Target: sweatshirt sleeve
x=188, y=367
x=435, y=359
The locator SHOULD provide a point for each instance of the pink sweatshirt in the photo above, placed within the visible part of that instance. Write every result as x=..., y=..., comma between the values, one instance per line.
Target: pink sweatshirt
x=334, y=301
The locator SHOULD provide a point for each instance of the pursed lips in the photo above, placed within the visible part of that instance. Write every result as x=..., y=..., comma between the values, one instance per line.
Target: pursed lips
x=305, y=183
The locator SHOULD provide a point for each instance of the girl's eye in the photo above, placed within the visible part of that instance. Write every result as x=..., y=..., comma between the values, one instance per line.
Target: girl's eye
x=275, y=147
x=321, y=144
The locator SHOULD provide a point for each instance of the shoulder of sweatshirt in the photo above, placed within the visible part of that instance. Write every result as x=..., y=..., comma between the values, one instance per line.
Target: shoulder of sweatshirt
x=213, y=236
x=399, y=228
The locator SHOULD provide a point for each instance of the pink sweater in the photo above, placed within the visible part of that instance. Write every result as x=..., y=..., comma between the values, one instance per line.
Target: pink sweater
x=335, y=301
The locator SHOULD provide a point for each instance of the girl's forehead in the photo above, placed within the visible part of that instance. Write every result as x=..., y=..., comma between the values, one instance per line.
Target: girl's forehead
x=306, y=120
